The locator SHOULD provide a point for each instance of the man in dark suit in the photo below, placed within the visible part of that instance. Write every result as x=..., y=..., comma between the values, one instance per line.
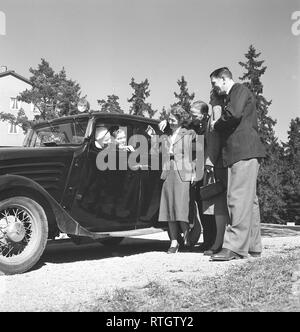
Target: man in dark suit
x=241, y=152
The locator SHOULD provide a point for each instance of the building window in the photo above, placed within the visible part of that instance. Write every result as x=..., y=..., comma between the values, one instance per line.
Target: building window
x=13, y=129
x=15, y=104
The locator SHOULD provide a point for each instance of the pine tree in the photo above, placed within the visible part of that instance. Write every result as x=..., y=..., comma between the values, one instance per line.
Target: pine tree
x=110, y=105
x=163, y=114
x=184, y=97
x=52, y=94
x=291, y=181
x=138, y=99
x=254, y=71
x=270, y=190
x=68, y=95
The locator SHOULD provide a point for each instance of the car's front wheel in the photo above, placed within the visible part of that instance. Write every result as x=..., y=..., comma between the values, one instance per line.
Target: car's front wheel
x=23, y=234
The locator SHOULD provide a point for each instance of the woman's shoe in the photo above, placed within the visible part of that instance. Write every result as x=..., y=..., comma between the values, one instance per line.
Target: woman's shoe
x=186, y=240
x=173, y=250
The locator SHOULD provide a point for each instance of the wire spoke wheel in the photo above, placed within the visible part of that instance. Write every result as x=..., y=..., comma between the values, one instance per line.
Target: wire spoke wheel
x=16, y=228
x=23, y=234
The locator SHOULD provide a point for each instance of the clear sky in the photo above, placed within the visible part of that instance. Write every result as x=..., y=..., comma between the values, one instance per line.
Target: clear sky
x=103, y=43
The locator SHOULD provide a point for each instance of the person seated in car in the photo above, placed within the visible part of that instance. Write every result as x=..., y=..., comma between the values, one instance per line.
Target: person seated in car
x=102, y=137
x=119, y=139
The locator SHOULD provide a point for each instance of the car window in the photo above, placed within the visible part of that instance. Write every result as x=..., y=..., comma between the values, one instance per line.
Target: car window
x=145, y=130
x=80, y=131
x=69, y=133
x=111, y=135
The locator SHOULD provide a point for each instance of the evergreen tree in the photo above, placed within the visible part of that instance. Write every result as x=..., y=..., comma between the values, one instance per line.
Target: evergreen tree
x=184, y=97
x=163, y=114
x=254, y=71
x=68, y=94
x=43, y=92
x=111, y=105
x=52, y=94
x=138, y=100
x=291, y=173
x=270, y=190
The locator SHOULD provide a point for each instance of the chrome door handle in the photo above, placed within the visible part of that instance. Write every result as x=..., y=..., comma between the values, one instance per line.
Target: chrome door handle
x=140, y=167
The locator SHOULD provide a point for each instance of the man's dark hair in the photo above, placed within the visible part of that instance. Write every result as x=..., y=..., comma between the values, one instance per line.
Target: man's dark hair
x=218, y=73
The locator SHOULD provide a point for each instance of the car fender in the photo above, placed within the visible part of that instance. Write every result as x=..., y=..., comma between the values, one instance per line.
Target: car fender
x=64, y=221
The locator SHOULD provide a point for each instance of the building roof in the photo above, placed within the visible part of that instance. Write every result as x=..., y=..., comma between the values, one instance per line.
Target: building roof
x=13, y=73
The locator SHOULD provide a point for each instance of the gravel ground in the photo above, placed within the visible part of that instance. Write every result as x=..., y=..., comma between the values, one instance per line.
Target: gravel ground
x=70, y=276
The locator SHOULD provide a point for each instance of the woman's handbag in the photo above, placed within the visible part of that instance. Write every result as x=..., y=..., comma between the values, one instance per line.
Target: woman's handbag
x=212, y=188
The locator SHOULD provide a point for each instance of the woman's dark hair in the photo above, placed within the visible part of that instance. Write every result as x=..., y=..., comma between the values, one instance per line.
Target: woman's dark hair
x=182, y=115
x=113, y=130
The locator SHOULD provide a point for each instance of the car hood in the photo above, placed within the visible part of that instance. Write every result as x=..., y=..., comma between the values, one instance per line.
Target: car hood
x=17, y=153
x=48, y=166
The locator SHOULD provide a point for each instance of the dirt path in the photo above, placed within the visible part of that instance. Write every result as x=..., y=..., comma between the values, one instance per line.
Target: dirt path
x=70, y=275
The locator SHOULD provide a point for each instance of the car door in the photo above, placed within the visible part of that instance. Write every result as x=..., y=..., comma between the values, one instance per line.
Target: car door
x=150, y=172
x=108, y=195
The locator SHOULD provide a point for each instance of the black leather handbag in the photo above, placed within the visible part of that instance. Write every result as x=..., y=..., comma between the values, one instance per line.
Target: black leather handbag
x=212, y=187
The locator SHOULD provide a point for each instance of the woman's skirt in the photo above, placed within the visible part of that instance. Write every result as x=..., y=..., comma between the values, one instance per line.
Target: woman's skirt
x=176, y=198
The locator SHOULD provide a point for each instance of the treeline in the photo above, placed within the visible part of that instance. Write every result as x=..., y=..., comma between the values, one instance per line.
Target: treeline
x=55, y=95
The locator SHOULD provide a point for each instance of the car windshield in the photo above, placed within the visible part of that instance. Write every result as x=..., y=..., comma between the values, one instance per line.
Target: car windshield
x=67, y=133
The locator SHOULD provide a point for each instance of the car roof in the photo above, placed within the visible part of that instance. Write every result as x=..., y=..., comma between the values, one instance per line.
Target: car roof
x=97, y=115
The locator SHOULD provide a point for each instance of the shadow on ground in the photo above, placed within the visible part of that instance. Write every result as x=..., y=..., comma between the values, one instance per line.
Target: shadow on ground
x=65, y=251
x=268, y=230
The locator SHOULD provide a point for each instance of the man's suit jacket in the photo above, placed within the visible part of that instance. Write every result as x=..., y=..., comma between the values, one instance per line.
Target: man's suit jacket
x=238, y=127
x=187, y=150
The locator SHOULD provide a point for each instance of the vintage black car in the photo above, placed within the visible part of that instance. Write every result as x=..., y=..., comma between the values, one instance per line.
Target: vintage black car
x=52, y=185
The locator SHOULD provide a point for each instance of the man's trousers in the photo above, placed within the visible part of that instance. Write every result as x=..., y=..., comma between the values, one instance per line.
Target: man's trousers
x=243, y=235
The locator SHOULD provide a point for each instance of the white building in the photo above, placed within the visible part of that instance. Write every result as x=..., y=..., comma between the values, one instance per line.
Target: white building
x=11, y=84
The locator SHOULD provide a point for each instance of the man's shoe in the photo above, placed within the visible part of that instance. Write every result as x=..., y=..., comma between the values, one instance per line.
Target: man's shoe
x=255, y=254
x=225, y=255
x=173, y=250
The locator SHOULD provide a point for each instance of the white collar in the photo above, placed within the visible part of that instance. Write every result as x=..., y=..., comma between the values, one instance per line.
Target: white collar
x=230, y=88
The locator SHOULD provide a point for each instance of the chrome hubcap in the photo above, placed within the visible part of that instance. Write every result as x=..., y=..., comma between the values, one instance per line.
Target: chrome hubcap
x=15, y=231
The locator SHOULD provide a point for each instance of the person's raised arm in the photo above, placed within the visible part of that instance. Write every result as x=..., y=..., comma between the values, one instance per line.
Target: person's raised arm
x=233, y=110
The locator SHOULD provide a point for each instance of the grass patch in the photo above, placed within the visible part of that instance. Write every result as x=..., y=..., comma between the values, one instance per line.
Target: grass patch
x=259, y=285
